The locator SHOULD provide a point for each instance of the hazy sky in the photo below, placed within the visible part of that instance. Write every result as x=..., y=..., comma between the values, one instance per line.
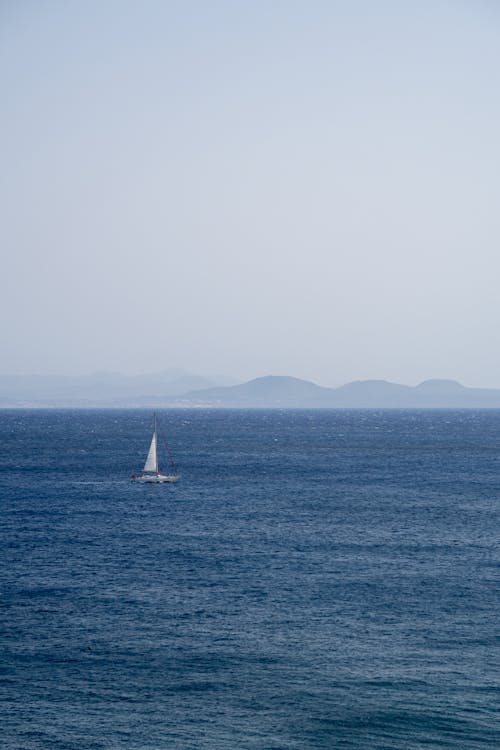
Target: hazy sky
x=289, y=187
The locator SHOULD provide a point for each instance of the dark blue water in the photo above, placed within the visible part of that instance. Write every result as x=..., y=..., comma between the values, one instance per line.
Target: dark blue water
x=324, y=579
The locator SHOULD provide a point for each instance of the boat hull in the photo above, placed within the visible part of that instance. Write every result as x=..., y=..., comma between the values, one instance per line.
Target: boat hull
x=156, y=478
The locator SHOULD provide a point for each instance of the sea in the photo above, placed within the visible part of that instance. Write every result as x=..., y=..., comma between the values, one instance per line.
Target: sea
x=316, y=579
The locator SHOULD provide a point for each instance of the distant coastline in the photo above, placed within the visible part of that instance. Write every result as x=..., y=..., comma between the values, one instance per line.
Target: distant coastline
x=179, y=389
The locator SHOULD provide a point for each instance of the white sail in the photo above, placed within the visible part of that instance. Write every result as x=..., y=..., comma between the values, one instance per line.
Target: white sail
x=152, y=459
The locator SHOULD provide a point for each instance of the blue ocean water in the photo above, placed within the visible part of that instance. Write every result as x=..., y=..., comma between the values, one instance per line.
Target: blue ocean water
x=317, y=579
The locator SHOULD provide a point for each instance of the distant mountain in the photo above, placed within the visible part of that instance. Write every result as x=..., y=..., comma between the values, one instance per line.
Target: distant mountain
x=100, y=388
x=178, y=388
x=287, y=392
x=272, y=390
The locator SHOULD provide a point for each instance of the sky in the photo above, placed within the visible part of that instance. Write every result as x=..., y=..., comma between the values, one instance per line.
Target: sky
x=301, y=187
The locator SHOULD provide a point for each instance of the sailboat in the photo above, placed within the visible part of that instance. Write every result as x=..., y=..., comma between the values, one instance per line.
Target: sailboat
x=151, y=473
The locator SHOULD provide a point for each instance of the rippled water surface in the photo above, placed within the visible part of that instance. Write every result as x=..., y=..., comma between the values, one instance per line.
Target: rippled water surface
x=323, y=579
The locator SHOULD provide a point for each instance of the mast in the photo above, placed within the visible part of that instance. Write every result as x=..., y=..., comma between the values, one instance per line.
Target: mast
x=155, y=433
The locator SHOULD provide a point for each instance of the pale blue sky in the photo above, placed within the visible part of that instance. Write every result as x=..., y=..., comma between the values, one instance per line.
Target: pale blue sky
x=304, y=188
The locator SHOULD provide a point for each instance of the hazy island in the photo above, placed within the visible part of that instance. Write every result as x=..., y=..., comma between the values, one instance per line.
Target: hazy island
x=177, y=388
